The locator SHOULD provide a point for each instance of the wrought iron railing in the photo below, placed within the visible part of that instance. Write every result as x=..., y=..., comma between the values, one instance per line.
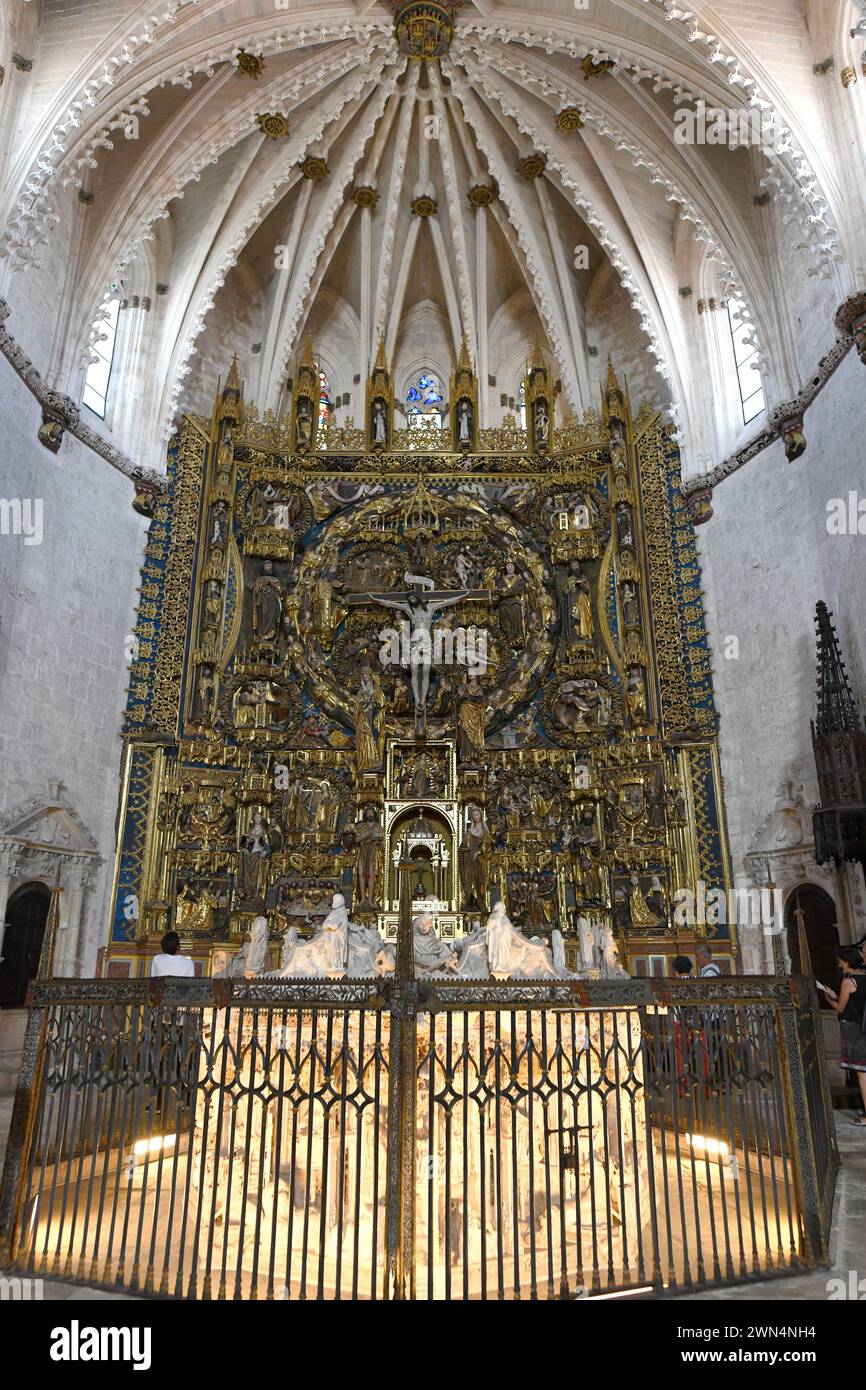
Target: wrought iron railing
x=271, y=1139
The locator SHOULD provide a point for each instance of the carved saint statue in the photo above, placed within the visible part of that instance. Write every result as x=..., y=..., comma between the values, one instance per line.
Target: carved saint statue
x=630, y=606
x=323, y=604
x=204, y=694
x=323, y=804
x=640, y=912
x=267, y=605
x=606, y=952
x=219, y=528
x=511, y=607
x=245, y=701
x=579, y=607
x=474, y=855
x=379, y=422
x=465, y=570
x=464, y=423
x=213, y=608
x=635, y=695
x=225, y=459
x=304, y=424
x=471, y=716
x=539, y=900
x=194, y=914
x=624, y=533
x=369, y=722
x=368, y=865
x=256, y=849
x=656, y=899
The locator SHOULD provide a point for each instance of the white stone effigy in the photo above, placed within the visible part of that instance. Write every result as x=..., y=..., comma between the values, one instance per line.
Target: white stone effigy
x=340, y=949
x=567, y=1134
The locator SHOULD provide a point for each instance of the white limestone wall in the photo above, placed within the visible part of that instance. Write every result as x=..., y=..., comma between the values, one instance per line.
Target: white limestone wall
x=767, y=558
x=613, y=327
x=66, y=608
x=233, y=325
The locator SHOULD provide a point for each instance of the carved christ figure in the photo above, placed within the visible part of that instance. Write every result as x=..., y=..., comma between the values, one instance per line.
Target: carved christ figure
x=421, y=616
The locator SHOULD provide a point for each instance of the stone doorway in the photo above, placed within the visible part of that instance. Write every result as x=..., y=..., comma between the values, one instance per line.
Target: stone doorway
x=26, y=913
x=822, y=934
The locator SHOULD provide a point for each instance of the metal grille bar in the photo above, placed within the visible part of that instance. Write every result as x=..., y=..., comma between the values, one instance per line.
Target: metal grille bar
x=261, y=1140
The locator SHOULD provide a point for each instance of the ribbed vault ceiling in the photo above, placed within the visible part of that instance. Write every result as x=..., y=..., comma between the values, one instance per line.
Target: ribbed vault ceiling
x=201, y=194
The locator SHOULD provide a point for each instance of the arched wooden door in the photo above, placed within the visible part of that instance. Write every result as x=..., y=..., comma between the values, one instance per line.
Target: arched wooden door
x=26, y=914
x=819, y=914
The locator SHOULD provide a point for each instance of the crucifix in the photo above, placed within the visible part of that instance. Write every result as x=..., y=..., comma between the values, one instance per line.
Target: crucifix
x=420, y=605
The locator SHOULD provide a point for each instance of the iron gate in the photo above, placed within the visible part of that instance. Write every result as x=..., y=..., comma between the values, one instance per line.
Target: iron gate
x=265, y=1139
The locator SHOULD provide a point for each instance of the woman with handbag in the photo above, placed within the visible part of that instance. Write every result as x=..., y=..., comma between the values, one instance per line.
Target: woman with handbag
x=850, y=1005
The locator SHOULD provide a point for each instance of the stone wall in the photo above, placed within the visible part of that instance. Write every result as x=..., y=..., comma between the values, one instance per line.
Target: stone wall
x=767, y=558
x=66, y=607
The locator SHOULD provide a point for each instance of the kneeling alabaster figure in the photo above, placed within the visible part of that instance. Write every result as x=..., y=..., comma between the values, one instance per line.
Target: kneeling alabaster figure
x=326, y=953
x=250, y=959
x=512, y=957
x=473, y=955
x=607, y=953
x=368, y=953
x=432, y=955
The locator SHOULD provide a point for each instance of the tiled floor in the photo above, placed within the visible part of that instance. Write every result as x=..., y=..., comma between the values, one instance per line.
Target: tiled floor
x=847, y=1238
x=53, y=1289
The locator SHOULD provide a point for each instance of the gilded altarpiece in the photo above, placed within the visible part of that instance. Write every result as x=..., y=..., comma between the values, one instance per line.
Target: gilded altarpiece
x=493, y=660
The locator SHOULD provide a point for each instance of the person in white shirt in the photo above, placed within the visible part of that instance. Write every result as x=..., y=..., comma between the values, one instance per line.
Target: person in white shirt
x=170, y=961
x=706, y=965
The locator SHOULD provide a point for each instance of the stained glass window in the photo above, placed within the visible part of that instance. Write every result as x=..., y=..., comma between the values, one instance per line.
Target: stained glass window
x=425, y=402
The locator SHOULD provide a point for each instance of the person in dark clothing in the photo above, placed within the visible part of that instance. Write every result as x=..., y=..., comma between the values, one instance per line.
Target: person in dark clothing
x=850, y=1005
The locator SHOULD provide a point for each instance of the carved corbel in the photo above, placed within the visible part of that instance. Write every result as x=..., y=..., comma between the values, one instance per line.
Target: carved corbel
x=699, y=505
x=787, y=419
x=851, y=318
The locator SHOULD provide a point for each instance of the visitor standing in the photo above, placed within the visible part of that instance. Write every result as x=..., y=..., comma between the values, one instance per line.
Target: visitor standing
x=707, y=967
x=169, y=961
x=850, y=1005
